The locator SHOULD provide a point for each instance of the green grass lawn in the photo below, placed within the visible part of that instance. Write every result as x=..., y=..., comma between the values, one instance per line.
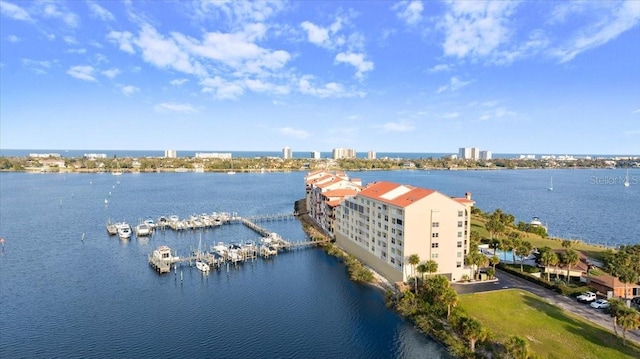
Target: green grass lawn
x=550, y=331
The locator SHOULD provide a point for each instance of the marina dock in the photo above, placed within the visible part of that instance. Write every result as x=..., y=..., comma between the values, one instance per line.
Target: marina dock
x=270, y=244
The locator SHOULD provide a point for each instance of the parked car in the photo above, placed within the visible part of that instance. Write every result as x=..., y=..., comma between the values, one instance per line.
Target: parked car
x=600, y=304
x=587, y=297
x=636, y=302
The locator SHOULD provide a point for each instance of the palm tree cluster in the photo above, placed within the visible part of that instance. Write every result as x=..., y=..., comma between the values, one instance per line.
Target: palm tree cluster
x=624, y=264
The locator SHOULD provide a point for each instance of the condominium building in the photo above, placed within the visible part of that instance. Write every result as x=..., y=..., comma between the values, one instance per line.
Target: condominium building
x=485, y=155
x=385, y=223
x=371, y=155
x=339, y=153
x=287, y=153
x=224, y=156
x=315, y=155
x=324, y=191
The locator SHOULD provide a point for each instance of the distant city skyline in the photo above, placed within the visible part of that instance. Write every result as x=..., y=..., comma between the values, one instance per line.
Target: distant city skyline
x=398, y=77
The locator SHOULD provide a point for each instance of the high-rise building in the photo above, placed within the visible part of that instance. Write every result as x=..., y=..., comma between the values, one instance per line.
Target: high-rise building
x=386, y=222
x=485, y=155
x=339, y=153
x=287, y=153
x=315, y=155
x=170, y=154
x=371, y=155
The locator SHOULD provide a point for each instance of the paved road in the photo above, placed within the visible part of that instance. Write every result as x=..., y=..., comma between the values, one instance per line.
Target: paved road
x=506, y=280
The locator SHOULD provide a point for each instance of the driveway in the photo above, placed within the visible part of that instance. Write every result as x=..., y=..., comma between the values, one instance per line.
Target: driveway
x=506, y=280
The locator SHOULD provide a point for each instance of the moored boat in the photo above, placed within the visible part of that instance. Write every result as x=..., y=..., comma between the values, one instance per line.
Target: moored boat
x=124, y=230
x=143, y=229
x=202, y=266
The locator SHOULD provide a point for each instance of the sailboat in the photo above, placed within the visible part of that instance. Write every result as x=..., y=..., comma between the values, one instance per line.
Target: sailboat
x=117, y=172
x=231, y=172
x=551, y=184
x=626, y=178
x=200, y=264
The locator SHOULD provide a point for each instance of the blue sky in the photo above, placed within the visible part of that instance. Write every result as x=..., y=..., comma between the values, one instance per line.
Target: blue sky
x=409, y=76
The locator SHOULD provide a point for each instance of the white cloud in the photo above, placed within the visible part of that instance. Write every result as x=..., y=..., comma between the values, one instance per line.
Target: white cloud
x=632, y=133
x=111, y=73
x=240, y=12
x=636, y=111
x=39, y=67
x=166, y=107
x=129, y=90
x=178, y=82
x=612, y=22
x=402, y=126
x=409, y=11
x=76, y=51
x=70, y=40
x=451, y=115
x=14, y=11
x=331, y=89
x=454, y=85
x=82, y=73
x=292, y=132
x=356, y=60
x=440, y=68
x=324, y=36
x=165, y=52
x=100, y=12
x=123, y=39
x=13, y=38
x=476, y=28
x=51, y=10
x=221, y=88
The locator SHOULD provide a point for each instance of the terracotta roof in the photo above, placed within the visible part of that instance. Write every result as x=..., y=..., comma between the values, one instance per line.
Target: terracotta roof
x=335, y=203
x=611, y=281
x=395, y=194
x=340, y=192
x=329, y=182
x=464, y=200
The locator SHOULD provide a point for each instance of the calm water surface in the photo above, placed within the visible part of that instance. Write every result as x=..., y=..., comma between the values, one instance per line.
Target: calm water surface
x=61, y=296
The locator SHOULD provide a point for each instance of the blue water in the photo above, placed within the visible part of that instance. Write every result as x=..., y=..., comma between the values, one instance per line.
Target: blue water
x=64, y=297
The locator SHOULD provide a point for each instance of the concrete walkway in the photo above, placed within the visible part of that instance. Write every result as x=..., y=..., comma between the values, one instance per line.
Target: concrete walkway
x=506, y=281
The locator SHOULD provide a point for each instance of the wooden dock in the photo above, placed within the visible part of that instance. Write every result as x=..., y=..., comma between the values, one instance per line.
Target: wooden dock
x=164, y=258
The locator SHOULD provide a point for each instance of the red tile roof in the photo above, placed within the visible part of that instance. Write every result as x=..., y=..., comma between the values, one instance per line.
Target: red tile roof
x=406, y=195
x=340, y=192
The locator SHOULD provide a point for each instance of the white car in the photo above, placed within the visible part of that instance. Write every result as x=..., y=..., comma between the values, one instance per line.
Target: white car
x=587, y=297
x=600, y=304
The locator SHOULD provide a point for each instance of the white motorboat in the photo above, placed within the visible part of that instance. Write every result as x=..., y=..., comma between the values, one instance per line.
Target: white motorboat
x=626, y=178
x=124, y=230
x=143, y=229
x=202, y=266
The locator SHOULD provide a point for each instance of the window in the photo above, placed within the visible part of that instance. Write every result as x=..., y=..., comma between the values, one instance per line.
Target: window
x=434, y=235
x=459, y=234
x=386, y=218
x=399, y=222
x=393, y=260
x=434, y=245
x=435, y=224
x=460, y=213
x=459, y=224
x=459, y=244
x=459, y=254
x=458, y=264
x=434, y=255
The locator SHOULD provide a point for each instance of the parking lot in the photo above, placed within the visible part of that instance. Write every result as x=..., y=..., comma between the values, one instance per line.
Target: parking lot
x=506, y=281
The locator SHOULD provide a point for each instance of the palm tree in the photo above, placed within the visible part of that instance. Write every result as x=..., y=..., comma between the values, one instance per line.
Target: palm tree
x=422, y=269
x=495, y=244
x=517, y=347
x=566, y=243
x=627, y=275
x=494, y=227
x=628, y=319
x=616, y=306
x=523, y=249
x=506, y=245
x=494, y=261
x=450, y=299
x=515, y=242
x=414, y=259
x=432, y=266
x=548, y=258
x=570, y=258
x=473, y=331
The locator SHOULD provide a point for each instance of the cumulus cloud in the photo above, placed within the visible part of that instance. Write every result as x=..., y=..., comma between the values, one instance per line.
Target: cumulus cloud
x=100, y=12
x=402, y=126
x=14, y=11
x=53, y=10
x=82, y=73
x=454, y=85
x=178, y=82
x=331, y=89
x=111, y=73
x=292, y=132
x=221, y=88
x=129, y=90
x=324, y=36
x=476, y=28
x=13, y=38
x=440, y=68
x=409, y=11
x=123, y=39
x=357, y=61
x=167, y=107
